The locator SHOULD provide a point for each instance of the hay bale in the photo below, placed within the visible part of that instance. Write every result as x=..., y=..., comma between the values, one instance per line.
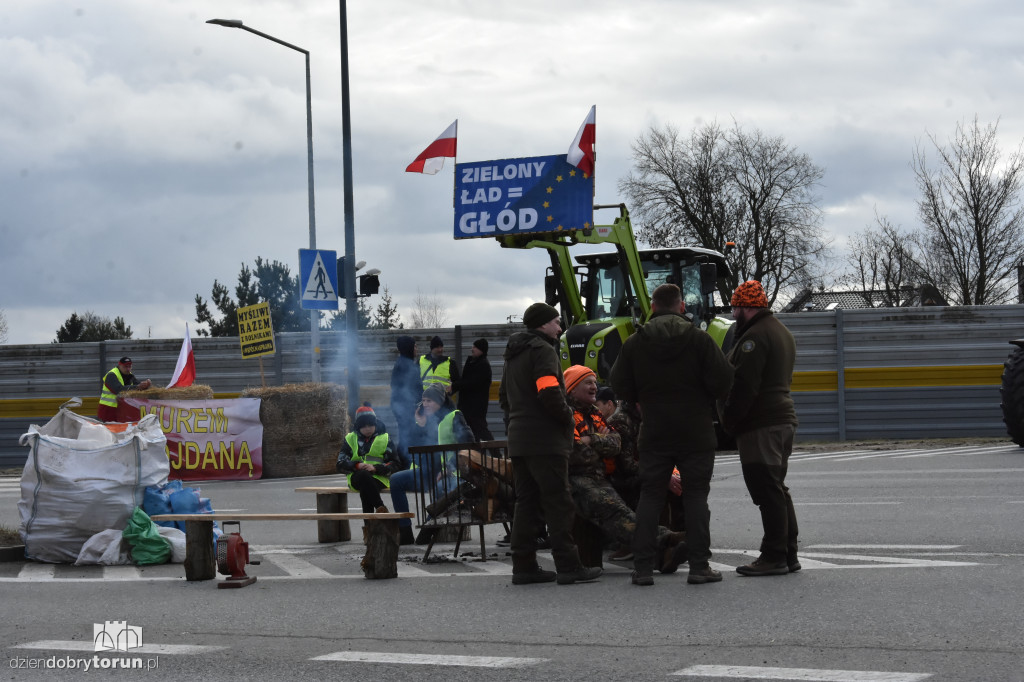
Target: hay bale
x=194, y=392
x=127, y=413
x=303, y=427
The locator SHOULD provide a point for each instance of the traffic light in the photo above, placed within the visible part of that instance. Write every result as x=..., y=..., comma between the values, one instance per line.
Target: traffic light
x=368, y=285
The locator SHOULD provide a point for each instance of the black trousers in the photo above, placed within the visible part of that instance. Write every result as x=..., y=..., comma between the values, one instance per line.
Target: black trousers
x=764, y=456
x=695, y=468
x=542, y=495
x=369, y=490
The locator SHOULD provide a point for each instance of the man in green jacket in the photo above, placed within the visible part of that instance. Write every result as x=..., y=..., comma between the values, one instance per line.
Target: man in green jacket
x=760, y=411
x=540, y=434
x=675, y=372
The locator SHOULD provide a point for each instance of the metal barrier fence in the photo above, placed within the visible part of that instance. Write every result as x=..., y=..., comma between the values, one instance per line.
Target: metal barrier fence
x=860, y=374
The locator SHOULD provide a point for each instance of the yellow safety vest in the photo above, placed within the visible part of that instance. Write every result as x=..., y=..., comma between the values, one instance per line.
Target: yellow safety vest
x=106, y=397
x=442, y=374
x=374, y=456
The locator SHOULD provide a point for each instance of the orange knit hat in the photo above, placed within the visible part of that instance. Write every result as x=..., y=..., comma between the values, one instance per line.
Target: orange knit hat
x=750, y=294
x=574, y=375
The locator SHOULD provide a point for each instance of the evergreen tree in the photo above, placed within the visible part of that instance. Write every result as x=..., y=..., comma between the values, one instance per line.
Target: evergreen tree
x=386, y=316
x=270, y=282
x=91, y=327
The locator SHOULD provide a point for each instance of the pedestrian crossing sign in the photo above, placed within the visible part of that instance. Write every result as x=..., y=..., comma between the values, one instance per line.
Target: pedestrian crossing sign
x=318, y=279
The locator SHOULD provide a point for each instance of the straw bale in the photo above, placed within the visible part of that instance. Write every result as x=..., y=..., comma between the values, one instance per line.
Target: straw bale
x=303, y=427
x=193, y=392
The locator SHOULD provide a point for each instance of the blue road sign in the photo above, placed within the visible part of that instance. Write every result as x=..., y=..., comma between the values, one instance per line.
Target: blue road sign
x=517, y=196
x=318, y=279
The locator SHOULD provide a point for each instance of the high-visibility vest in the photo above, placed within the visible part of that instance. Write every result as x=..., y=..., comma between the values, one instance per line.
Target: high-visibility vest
x=445, y=430
x=442, y=374
x=374, y=456
x=106, y=397
x=445, y=434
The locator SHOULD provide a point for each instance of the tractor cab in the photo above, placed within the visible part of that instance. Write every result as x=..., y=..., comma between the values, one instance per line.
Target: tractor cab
x=612, y=311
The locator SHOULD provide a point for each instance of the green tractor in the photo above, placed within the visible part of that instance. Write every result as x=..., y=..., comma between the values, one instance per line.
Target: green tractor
x=604, y=297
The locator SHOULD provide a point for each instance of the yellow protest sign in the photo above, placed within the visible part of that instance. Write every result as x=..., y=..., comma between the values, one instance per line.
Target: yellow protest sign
x=255, y=332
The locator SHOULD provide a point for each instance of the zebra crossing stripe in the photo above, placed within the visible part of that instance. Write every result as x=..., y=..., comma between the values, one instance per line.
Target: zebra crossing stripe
x=430, y=659
x=763, y=673
x=87, y=645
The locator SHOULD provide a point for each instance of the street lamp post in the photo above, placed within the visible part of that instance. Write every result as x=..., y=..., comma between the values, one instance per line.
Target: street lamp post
x=314, y=315
x=351, y=314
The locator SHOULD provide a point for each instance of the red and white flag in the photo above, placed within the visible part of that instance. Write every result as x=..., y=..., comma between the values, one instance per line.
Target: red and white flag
x=581, y=151
x=185, y=370
x=432, y=158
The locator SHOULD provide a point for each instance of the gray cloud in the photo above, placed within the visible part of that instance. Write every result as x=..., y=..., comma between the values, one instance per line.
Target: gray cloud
x=146, y=153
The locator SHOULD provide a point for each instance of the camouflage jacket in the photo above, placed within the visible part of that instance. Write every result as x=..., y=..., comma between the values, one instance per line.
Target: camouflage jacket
x=589, y=459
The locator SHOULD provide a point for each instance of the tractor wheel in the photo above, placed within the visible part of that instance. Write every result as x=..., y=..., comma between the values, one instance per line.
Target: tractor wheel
x=1011, y=394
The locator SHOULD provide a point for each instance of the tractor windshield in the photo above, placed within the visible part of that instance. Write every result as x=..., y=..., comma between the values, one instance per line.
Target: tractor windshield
x=686, y=277
x=608, y=297
x=604, y=286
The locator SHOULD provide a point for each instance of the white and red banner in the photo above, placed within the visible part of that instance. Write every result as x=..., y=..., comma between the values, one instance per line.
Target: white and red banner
x=209, y=439
x=185, y=370
x=431, y=159
x=581, y=151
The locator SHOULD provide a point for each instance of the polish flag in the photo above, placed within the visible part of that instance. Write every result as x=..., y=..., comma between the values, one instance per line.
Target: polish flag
x=432, y=158
x=581, y=151
x=185, y=370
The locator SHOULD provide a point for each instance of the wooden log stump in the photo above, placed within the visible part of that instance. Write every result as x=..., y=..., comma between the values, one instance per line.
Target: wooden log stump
x=588, y=542
x=332, y=531
x=381, y=559
x=200, y=552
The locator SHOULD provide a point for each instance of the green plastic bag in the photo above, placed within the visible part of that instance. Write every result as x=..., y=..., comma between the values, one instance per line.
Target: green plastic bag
x=148, y=546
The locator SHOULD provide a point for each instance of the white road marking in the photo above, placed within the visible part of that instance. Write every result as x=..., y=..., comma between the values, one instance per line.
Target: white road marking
x=837, y=504
x=33, y=571
x=407, y=570
x=122, y=573
x=297, y=567
x=762, y=673
x=493, y=567
x=430, y=659
x=883, y=546
x=86, y=645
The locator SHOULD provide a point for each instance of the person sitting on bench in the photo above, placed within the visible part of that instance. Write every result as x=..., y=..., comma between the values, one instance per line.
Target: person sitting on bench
x=436, y=423
x=368, y=459
x=595, y=447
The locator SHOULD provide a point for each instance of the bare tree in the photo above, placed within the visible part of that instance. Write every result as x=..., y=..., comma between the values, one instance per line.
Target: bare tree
x=885, y=263
x=3, y=326
x=720, y=186
x=428, y=312
x=971, y=215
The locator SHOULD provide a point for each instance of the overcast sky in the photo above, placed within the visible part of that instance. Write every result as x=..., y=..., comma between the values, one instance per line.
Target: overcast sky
x=144, y=153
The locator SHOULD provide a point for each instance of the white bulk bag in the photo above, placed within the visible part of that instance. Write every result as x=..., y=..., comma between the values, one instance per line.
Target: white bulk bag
x=82, y=478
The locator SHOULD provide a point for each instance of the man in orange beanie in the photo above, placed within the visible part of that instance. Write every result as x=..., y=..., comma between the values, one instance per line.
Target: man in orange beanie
x=760, y=412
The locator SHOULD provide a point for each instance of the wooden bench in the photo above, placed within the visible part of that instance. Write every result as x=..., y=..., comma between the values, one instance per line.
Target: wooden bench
x=332, y=500
x=380, y=560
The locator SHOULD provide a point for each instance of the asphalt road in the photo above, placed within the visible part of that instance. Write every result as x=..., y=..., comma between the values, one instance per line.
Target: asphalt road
x=913, y=569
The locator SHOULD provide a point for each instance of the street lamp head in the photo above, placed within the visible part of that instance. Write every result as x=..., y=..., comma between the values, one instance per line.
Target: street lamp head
x=230, y=23
x=373, y=271
x=360, y=264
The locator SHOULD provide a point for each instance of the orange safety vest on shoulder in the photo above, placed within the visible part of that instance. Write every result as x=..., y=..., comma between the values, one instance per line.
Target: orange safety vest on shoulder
x=587, y=427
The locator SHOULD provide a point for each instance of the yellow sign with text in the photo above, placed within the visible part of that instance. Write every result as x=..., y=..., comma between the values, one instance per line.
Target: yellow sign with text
x=255, y=332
